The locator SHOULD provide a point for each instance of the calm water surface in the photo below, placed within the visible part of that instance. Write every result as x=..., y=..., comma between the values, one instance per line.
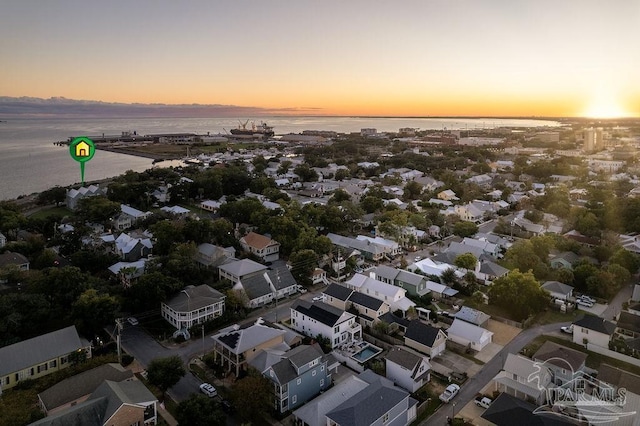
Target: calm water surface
x=29, y=162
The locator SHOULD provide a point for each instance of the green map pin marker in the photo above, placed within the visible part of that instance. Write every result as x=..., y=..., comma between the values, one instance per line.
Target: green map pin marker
x=82, y=150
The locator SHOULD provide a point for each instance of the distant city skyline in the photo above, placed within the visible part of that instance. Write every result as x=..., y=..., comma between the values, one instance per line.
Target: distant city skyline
x=561, y=58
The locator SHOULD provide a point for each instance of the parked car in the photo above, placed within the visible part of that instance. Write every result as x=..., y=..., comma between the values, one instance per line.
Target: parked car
x=132, y=321
x=568, y=330
x=585, y=303
x=483, y=401
x=208, y=390
x=301, y=289
x=586, y=298
x=318, y=299
x=448, y=394
x=418, y=258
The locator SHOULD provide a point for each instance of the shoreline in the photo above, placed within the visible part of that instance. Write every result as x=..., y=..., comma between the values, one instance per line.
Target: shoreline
x=155, y=157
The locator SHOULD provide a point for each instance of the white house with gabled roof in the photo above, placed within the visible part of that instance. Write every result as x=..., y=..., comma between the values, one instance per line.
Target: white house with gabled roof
x=394, y=296
x=317, y=318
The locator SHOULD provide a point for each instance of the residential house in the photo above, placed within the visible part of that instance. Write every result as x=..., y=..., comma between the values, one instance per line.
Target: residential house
x=235, y=271
x=275, y=282
x=131, y=248
x=558, y=290
x=337, y=296
x=469, y=335
x=319, y=276
x=78, y=388
x=565, y=260
x=40, y=356
x=414, y=284
x=523, y=378
x=391, y=248
x=394, y=296
x=429, y=267
x=594, y=330
x=488, y=271
x=563, y=363
x=622, y=380
x=507, y=410
x=313, y=319
x=366, y=399
x=369, y=250
x=236, y=345
x=16, y=259
x=447, y=195
x=265, y=248
x=440, y=291
x=469, y=212
x=425, y=338
x=369, y=308
x=127, y=272
x=193, y=305
x=628, y=324
x=112, y=403
x=473, y=316
x=176, y=211
x=488, y=247
x=407, y=368
x=299, y=376
x=211, y=205
x=211, y=256
x=129, y=217
x=75, y=195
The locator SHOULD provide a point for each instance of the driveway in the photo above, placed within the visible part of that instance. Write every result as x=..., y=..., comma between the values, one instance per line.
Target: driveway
x=448, y=361
x=598, y=309
x=488, y=352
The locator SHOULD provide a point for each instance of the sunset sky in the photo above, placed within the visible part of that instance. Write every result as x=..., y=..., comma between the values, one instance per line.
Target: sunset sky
x=347, y=57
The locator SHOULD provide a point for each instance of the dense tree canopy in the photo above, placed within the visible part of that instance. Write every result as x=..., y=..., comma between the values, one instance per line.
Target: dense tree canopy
x=519, y=294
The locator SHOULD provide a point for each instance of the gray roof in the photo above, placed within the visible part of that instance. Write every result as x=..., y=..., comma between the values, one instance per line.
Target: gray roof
x=406, y=358
x=598, y=324
x=39, y=349
x=256, y=286
x=472, y=316
x=368, y=405
x=281, y=276
x=129, y=392
x=194, y=298
x=560, y=356
x=386, y=272
x=619, y=378
x=492, y=268
x=410, y=277
x=338, y=291
x=365, y=300
x=242, y=338
x=242, y=267
x=101, y=405
x=557, y=287
x=82, y=384
x=11, y=258
x=286, y=370
x=629, y=321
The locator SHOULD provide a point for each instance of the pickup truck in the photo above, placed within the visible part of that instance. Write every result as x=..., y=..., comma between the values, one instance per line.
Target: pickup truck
x=448, y=394
x=483, y=401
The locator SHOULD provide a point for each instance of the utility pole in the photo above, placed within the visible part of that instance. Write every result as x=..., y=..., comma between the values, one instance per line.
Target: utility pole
x=202, y=341
x=277, y=279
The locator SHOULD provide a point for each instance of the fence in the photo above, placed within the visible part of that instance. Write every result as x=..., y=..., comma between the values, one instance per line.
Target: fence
x=507, y=321
x=613, y=354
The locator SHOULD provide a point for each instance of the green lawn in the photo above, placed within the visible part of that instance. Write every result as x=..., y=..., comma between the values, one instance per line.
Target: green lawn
x=53, y=211
x=553, y=316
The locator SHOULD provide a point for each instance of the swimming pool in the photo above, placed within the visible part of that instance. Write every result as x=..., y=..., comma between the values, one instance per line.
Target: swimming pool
x=366, y=353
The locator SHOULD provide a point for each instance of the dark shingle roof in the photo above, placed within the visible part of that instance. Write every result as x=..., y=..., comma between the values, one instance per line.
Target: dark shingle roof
x=560, y=356
x=319, y=311
x=338, y=291
x=596, y=324
x=281, y=276
x=391, y=318
x=193, y=298
x=82, y=384
x=368, y=405
x=508, y=410
x=256, y=286
x=421, y=333
x=365, y=300
x=629, y=321
x=619, y=378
